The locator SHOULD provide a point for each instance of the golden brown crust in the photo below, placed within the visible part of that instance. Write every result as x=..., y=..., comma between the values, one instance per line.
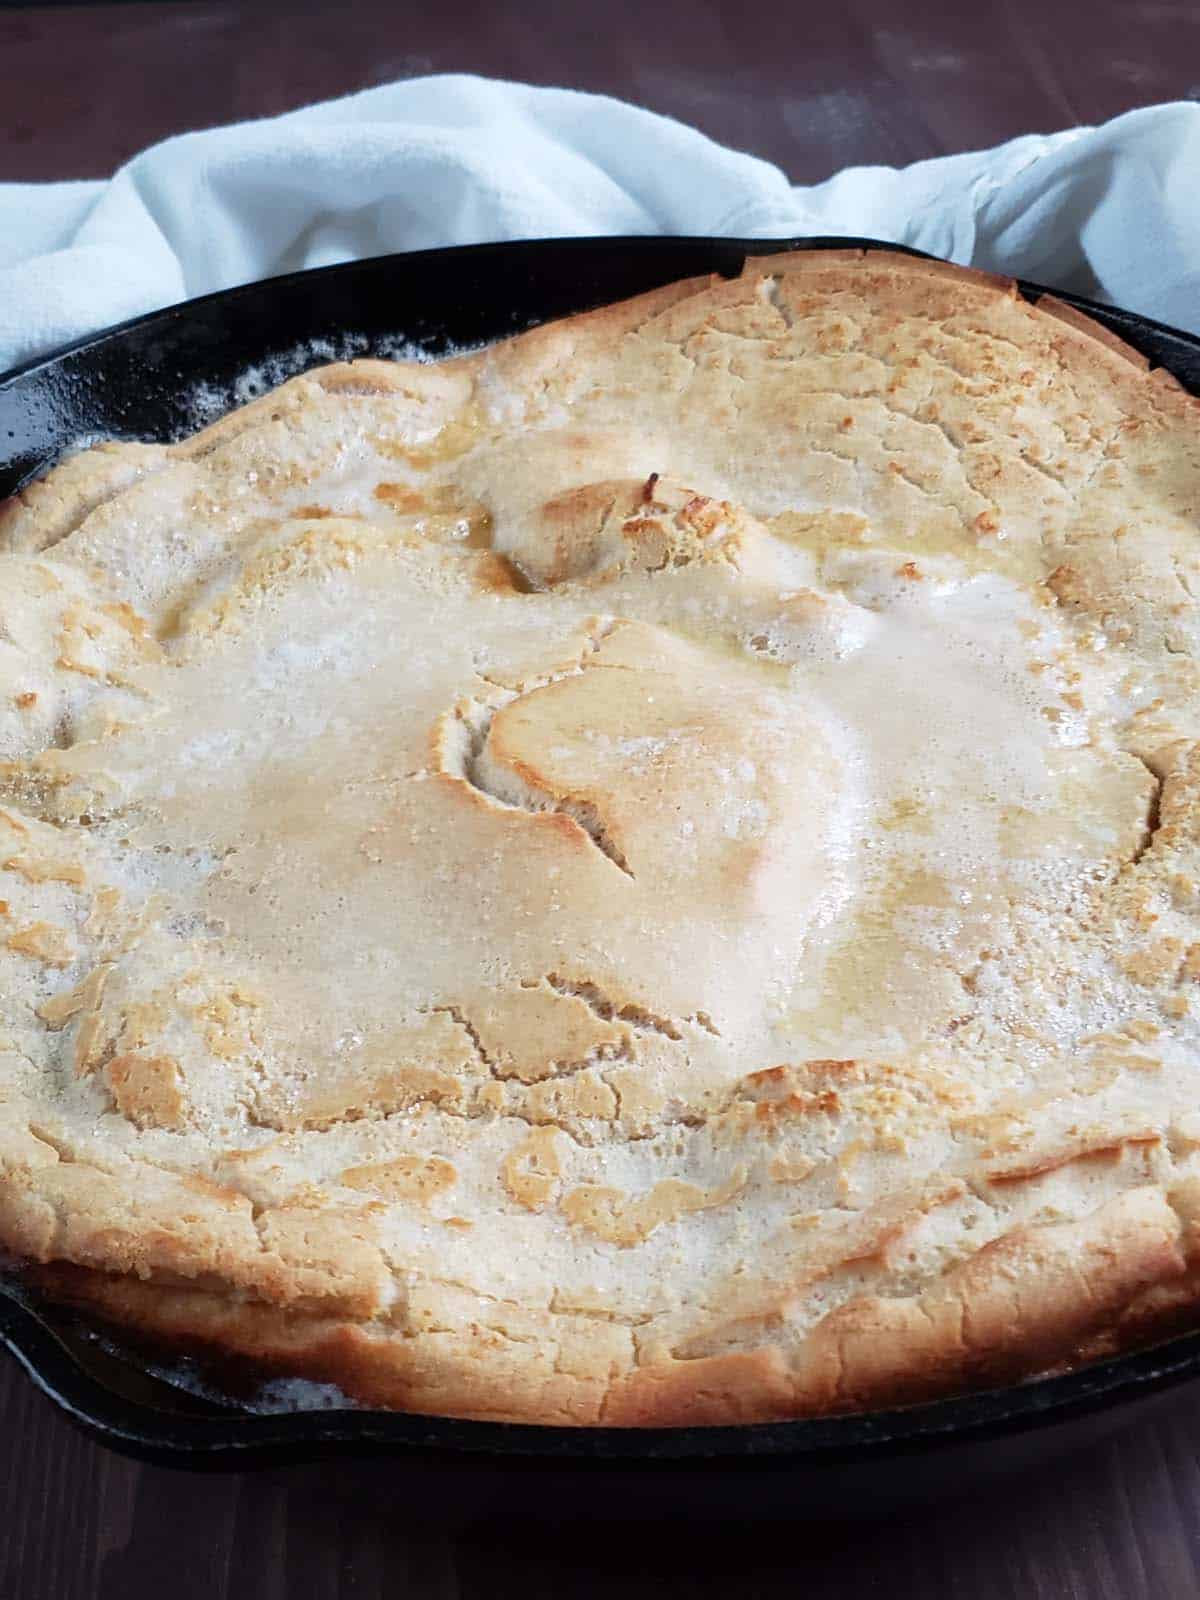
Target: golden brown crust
x=648, y=875
x=1036, y=1300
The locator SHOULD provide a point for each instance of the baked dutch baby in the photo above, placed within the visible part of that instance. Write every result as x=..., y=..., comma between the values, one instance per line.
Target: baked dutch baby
x=646, y=875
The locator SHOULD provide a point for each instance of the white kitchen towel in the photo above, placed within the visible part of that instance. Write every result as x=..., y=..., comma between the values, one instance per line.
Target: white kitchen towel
x=1112, y=211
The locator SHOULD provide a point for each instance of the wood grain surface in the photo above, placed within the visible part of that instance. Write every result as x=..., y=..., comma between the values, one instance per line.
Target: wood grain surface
x=78, y=1523
x=813, y=89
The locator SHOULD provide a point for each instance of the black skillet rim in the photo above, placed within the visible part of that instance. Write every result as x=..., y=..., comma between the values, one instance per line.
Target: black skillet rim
x=238, y=1439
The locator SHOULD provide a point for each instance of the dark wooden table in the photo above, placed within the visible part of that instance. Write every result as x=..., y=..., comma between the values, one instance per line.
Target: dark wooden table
x=812, y=88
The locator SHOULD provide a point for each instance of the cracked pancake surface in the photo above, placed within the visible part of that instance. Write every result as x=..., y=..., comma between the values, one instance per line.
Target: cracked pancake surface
x=650, y=874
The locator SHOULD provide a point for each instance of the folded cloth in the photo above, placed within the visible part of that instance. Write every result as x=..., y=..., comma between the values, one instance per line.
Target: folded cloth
x=1108, y=211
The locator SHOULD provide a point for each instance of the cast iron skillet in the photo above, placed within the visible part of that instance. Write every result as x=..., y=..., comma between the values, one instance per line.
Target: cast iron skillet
x=139, y=381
